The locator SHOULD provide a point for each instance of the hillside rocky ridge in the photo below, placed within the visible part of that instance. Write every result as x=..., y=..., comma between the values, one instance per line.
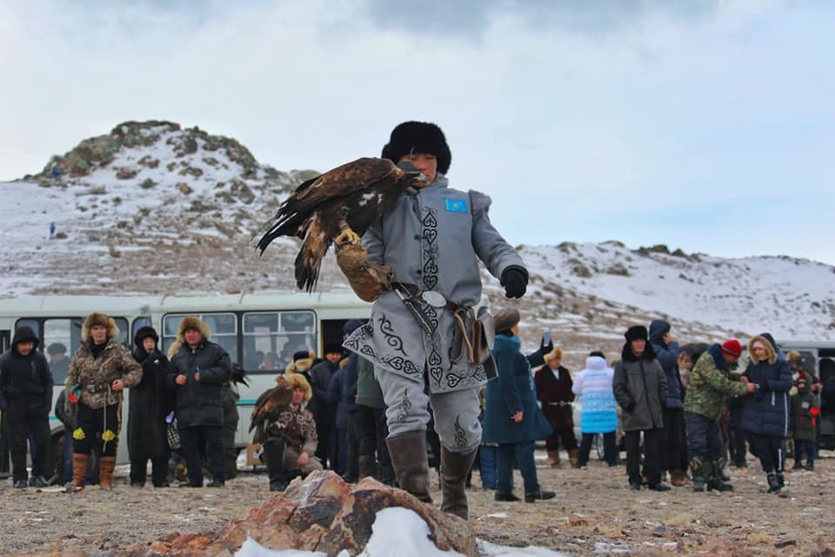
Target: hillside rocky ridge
x=153, y=207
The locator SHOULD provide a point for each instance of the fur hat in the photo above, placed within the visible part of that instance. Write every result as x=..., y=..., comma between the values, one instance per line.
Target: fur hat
x=56, y=348
x=555, y=353
x=332, y=348
x=418, y=137
x=506, y=319
x=145, y=332
x=302, y=361
x=97, y=318
x=636, y=332
x=732, y=347
x=298, y=380
x=186, y=323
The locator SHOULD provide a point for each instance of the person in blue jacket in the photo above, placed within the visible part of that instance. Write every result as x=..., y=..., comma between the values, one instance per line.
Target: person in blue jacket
x=674, y=444
x=512, y=419
x=766, y=419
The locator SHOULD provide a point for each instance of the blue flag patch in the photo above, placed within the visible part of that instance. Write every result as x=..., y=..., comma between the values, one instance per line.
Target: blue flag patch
x=455, y=205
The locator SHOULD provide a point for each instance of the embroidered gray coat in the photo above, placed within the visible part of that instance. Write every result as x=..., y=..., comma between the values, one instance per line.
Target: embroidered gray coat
x=432, y=238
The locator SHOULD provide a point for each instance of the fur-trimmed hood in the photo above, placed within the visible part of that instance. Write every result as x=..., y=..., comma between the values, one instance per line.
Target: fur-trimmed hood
x=769, y=348
x=188, y=322
x=298, y=380
x=97, y=318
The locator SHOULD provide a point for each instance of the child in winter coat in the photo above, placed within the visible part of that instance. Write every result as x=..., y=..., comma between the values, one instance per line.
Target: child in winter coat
x=805, y=416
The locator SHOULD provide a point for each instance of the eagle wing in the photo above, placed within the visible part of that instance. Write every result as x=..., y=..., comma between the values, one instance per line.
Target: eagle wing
x=349, y=196
x=326, y=192
x=269, y=406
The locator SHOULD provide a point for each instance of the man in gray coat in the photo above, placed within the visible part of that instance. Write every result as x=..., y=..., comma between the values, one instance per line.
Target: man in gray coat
x=420, y=335
x=640, y=387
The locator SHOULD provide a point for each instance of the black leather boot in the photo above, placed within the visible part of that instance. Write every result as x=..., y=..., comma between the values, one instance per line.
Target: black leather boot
x=408, y=458
x=715, y=481
x=454, y=470
x=274, y=453
x=366, y=466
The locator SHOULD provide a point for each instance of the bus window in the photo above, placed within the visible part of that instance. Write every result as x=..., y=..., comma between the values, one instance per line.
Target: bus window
x=61, y=337
x=223, y=328
x=271, y=338
x=34, y=324
x=138, y=323
x=124, y=331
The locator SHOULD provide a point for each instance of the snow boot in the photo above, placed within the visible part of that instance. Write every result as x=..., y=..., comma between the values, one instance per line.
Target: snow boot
x=408, y=458
x=107, y=465
x=573, y=458
x=715, y=481
x=80, y=464
x=366, y=466
x=454, y=470
x=554, y=459
x=698, y=471
x=773, y=483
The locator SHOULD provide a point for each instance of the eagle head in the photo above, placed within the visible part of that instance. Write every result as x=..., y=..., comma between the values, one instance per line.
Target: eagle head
x=412, y=172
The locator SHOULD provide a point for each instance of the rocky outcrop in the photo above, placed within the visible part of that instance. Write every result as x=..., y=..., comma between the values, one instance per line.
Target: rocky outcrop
x=99, y=152
x=322, y=513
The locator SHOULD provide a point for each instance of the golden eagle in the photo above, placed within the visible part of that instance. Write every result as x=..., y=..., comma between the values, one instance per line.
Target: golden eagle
x=269, y=406
x=338, y=207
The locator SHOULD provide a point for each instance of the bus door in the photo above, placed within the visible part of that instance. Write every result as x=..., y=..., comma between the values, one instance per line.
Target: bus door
x=5, y=344
x=826, y=368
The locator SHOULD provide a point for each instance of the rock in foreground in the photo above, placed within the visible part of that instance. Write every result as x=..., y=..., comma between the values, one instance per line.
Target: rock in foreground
x=322, y=513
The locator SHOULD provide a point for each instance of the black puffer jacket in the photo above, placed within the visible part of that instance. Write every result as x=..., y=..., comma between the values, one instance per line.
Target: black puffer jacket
x=25, y=381
x=200, y=403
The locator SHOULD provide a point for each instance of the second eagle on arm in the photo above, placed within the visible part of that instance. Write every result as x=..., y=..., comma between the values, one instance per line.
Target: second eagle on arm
x=338, y=207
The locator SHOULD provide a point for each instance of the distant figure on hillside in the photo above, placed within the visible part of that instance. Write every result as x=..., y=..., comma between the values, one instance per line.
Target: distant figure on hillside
x=51, y=230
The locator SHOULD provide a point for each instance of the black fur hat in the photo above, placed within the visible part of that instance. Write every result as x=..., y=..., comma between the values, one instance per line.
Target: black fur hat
x=636, y=332
x=418, y=137
x=145, y=332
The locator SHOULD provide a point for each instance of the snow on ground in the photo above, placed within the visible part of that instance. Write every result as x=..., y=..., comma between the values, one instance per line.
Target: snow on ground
x=401, y=532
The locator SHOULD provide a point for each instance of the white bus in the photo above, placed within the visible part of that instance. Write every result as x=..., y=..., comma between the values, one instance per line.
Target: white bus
x=260, y=331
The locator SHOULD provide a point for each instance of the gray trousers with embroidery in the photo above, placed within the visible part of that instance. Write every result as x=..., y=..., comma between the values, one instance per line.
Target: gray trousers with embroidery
x=456, y=413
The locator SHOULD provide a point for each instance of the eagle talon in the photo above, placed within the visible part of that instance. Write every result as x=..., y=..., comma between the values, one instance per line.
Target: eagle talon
x=347, y=236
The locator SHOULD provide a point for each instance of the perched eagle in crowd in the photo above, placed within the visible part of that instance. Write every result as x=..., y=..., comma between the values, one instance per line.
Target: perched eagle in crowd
x=338, y=207
x=269, y=406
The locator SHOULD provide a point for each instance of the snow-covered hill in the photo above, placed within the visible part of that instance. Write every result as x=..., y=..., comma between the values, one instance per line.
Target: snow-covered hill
x=152, y=207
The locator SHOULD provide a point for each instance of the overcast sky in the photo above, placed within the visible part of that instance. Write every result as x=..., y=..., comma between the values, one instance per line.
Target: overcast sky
x=704, y=125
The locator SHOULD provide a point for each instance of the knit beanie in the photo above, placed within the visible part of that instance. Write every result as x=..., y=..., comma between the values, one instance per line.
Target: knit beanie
x=732, y=347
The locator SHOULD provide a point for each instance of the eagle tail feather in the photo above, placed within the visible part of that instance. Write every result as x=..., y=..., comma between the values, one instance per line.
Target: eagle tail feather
x=307, y=266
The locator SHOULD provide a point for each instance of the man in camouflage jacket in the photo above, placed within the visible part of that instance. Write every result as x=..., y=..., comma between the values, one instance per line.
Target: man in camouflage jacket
x=99, y=371
x=710, y=387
